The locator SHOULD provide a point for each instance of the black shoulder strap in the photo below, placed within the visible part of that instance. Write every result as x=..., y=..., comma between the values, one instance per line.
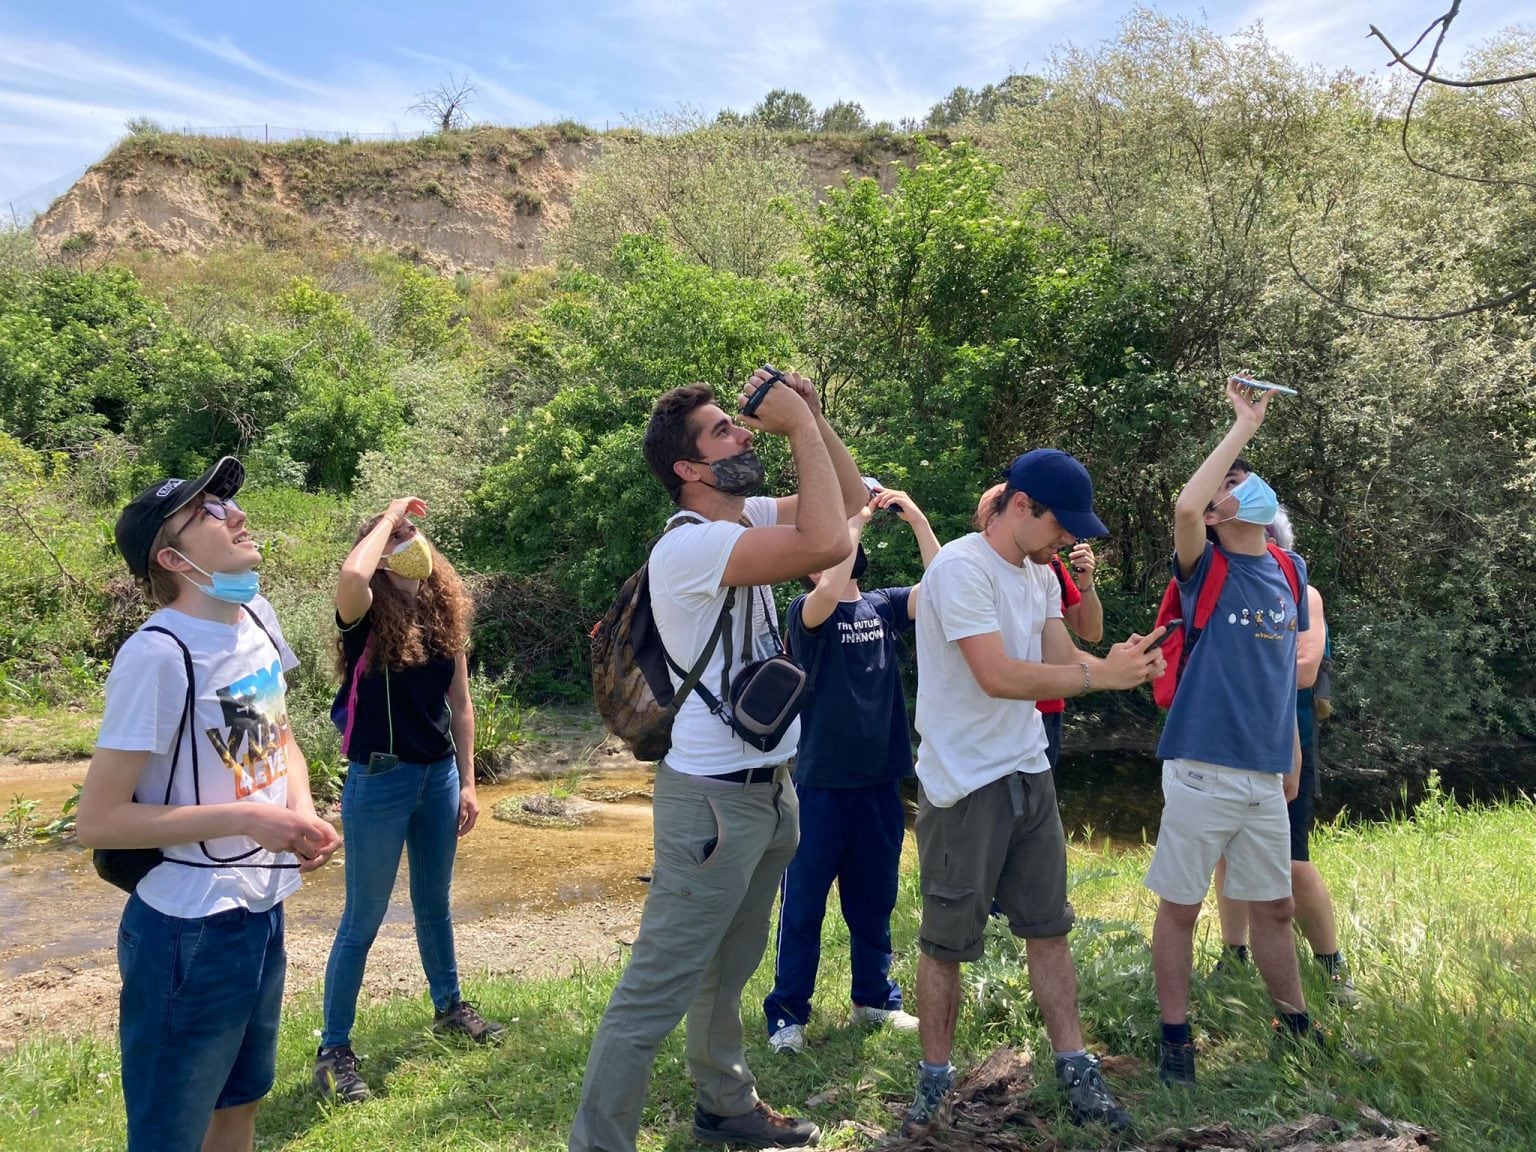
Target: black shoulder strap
x=187, y=712
x=692, y=675
x=256, y=620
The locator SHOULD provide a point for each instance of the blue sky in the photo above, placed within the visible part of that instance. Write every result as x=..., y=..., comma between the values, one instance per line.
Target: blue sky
x=72, y=71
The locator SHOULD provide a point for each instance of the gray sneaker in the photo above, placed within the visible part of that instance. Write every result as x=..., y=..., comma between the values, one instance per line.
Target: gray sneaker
x=462, y=1018
x=760, y=1128
x=1088, y=1095
x=336, y=1076
x=930, y=1107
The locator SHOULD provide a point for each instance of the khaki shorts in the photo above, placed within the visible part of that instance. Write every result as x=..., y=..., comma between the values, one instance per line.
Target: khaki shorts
x=1004, y=842
x=1210, y=811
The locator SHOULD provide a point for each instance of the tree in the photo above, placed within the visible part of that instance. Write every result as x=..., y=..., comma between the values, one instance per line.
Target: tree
x=445, y=104
x=785, y=111
x=986, y=105
x=729, y=198
x=844, y=116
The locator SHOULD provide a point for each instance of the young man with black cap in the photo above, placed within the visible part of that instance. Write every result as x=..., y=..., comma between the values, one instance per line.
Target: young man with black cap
x=855, y=749
x=990, y=642
x=196, y=758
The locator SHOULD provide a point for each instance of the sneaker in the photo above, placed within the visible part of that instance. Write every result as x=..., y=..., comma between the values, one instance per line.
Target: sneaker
x=1088, y=1095
x=1341, y=989
x=1324, y=1040
x=892, y=1018
x=930, y=1107
x=463, y=1018
x=1176, y=1062
x=788, y=1040
x=760, y=1128
x=336, y=1076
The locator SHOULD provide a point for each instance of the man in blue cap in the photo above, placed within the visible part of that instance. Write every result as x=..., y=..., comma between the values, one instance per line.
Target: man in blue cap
x=990, y=642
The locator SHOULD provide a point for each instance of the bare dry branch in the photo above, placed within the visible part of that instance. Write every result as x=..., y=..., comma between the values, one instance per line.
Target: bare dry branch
x=1339, y=302
x=445, y=104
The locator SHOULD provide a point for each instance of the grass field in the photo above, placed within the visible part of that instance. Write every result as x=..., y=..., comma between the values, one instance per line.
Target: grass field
x=1438, y=913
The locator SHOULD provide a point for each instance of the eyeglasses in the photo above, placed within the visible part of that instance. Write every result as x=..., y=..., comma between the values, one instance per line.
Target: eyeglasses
x=218, y=509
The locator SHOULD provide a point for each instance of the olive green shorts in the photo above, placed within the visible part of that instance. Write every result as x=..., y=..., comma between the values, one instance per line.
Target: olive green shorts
x=1003, y=842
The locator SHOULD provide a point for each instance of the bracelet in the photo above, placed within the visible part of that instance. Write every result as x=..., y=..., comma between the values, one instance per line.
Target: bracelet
x=1087, y=679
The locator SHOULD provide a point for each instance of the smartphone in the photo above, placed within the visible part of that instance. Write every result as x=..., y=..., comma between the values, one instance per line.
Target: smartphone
x=381, y=762
x=873, y=485
x=755, y=401
x=1264, y=385
x=1173, y=626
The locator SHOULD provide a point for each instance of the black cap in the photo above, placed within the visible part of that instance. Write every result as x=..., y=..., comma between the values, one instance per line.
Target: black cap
x=140, y=522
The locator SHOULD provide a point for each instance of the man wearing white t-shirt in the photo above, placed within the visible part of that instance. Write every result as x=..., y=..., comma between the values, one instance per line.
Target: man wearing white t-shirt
x=990, y=642
x=202, y=767
x=726, y=819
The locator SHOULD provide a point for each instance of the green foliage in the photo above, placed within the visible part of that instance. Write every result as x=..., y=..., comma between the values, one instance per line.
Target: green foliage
x=843, y=116
x=785, y=111
x=728, y=197
x=574, y=495
x=963, y=106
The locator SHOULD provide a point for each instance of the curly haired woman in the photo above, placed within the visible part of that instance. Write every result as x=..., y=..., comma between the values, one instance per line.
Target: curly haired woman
x=409, y=738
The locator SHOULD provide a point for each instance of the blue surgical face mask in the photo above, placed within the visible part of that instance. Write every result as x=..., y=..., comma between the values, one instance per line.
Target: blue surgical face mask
x=230, y=587
x=1256, y=501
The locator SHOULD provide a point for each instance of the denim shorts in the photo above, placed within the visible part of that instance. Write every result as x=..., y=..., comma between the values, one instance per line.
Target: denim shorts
x=198, y=1018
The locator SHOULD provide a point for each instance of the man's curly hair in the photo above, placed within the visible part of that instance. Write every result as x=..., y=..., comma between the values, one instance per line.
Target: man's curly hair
x=409, y=632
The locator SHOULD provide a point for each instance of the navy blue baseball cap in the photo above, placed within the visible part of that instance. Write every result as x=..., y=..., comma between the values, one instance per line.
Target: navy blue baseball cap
x=140, y=522
x=1051, y=477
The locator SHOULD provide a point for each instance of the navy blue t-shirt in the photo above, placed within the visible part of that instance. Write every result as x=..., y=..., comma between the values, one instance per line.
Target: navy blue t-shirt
x=853, y=727
x=1236, y=702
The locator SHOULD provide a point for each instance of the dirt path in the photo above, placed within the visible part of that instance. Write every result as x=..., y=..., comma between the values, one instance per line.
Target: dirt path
x=80, y=994
x=527, y=901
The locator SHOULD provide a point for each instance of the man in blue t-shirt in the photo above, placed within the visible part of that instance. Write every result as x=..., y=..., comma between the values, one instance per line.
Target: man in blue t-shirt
x=1230, y=748
x=855, y=748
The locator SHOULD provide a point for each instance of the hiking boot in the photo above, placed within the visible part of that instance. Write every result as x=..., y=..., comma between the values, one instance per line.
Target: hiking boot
x=461, y=1017
x=892, y=1018
x=1176, y=1062
x=760, y=1128
x=1087, y=1093
x=336, y=1076
x=930, y=1107
x=788, y=1040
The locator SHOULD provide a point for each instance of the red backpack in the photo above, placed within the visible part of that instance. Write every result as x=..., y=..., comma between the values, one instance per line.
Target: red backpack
x=1176, y=648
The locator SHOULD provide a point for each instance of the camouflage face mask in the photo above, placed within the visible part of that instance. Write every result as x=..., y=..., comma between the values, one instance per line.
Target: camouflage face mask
x=740, y=475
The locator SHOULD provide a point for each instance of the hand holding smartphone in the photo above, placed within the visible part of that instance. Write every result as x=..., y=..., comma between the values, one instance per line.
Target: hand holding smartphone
x=1264, y=386
x=1168, y=630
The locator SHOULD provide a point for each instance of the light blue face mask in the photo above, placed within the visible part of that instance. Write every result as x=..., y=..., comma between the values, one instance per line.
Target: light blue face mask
x=230, y=587
x=1256, y=501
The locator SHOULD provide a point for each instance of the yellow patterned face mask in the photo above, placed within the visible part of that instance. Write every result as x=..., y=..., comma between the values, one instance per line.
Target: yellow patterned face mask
x=413, y=559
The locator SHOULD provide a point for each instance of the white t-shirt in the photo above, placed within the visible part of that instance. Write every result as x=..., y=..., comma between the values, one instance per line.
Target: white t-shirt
x=686, y=569
x=240, y=728
x=969, y=738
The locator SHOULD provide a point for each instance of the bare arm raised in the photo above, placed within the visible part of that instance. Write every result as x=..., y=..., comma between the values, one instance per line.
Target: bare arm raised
x=1205, y=485
x=818, y=537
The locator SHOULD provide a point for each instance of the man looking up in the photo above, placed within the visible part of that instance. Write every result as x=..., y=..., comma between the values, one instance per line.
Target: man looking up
x=855, y=749
x=990, y=642
x=1230, y=749
x=726, y=820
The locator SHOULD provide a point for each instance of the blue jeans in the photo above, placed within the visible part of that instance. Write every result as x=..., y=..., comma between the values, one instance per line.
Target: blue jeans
x=410, y=806
x=853, y=836
x=198, y=1018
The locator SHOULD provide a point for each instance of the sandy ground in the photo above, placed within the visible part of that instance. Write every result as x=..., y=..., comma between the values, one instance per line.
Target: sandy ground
x=528, y=902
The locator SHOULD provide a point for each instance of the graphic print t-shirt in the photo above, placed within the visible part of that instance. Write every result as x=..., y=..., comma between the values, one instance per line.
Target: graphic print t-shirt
x=853, y=728
x=1236, y=703
x=240, y=728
